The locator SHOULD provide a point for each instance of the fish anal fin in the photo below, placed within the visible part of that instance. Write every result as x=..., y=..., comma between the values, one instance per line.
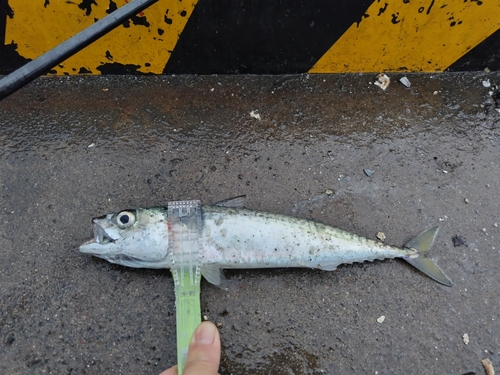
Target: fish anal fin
x=211, y=273
x=327, y=267
x=236, y=202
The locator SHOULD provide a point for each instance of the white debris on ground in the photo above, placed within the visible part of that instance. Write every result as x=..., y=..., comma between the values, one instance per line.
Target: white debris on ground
x=486, y=83
x=254, y=114
x=466, y=338
x=369, y=172
x=381, y=319
x=382, y=81
x=405, y=81
x=381, y=236
x=488, y=367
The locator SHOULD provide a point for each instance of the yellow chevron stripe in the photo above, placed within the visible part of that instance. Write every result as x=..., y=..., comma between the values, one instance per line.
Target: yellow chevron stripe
x=37, y=27
x=411, y=35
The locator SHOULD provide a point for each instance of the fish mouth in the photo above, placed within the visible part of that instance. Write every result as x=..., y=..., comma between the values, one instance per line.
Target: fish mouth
x=100, y=235
x=101, y=238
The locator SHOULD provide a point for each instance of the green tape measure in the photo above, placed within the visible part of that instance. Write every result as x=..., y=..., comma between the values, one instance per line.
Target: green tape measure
x=185, y=246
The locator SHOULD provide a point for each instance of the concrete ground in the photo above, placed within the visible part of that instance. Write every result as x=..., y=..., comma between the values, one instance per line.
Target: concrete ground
x=79, y=147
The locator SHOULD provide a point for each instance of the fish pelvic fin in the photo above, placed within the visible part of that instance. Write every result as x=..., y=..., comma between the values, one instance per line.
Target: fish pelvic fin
x=422, y=243
x=212, y=274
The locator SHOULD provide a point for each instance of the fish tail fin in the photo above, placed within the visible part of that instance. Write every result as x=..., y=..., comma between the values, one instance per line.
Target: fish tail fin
x=422, y=243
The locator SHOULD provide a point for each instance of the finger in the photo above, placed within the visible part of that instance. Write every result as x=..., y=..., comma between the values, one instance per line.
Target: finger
x=170, y=371
x=204, y=351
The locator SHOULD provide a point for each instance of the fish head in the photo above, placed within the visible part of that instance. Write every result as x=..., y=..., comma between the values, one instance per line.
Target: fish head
x=134, y=238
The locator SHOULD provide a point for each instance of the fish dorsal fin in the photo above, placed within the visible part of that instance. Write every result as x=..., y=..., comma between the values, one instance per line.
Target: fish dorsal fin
x=211, y=273
x=236, y=202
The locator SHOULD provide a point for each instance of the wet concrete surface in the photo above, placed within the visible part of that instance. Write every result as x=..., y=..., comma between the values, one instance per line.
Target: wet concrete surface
x=75, y=148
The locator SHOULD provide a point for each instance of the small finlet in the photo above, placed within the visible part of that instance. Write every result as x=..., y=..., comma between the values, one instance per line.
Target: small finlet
x=236, y=202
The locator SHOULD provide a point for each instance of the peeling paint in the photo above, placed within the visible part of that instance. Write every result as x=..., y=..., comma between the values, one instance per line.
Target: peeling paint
x=417, y=35
x=86, y=5
x=12, y=58
x=37, y=28
x=84, y=70
x=254, y=36
x=117, y=68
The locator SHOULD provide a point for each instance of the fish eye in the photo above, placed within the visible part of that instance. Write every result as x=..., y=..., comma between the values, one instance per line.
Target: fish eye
x=125, y=219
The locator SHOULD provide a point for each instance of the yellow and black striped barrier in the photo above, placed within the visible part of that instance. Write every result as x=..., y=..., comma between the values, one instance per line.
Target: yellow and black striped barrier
x=259, y=36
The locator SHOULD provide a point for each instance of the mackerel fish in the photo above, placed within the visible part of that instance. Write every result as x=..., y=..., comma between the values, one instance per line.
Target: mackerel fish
x=235, y=238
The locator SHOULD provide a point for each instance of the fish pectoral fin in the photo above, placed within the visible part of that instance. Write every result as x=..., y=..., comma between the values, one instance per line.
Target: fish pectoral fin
x=236, y=202
x=211, y=273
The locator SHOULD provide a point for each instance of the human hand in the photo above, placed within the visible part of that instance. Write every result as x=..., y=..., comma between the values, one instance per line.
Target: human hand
x=203, y=354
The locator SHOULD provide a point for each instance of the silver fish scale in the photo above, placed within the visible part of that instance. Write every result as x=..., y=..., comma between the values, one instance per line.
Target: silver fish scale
x=240, y=238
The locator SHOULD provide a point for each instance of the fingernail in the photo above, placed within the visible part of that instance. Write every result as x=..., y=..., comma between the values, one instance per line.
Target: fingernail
x=205, y=333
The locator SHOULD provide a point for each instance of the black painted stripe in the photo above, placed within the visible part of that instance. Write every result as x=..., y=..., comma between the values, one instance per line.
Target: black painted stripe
x=485, y=55
x=10, y=59
x=261, y=36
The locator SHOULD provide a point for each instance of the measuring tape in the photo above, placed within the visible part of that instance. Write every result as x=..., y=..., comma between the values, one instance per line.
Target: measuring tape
x=185, y=246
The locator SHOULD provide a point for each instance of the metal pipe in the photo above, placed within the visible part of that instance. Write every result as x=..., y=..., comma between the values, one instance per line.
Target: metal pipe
x=48, y=60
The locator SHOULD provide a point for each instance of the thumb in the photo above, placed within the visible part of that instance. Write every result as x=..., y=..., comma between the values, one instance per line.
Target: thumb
x=204, y=351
